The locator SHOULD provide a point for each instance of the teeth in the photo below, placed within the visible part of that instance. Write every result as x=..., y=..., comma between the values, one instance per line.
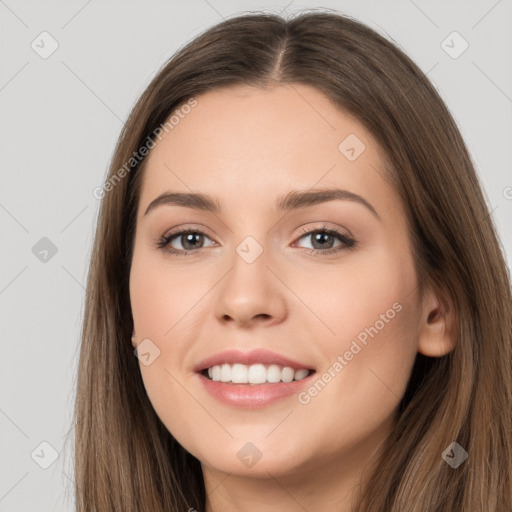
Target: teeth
x=255, y=373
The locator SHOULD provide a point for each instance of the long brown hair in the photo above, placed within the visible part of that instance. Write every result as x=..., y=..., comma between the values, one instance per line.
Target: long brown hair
x=125, y=458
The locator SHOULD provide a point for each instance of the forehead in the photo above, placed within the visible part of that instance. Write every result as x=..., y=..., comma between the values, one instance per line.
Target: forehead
x=245, y=144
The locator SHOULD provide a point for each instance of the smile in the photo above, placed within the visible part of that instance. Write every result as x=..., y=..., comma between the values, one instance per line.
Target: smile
x=254, y=374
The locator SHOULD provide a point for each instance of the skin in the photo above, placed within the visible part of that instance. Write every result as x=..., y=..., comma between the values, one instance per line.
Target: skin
x=247, y=147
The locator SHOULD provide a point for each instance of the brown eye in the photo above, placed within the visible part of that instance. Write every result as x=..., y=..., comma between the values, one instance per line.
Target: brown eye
x=323, y=240
x=190, y=241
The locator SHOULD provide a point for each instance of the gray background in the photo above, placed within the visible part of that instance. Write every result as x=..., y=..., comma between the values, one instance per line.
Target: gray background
x=60, y=118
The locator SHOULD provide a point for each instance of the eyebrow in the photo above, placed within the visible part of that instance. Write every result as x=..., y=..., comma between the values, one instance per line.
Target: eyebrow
x=293, y=200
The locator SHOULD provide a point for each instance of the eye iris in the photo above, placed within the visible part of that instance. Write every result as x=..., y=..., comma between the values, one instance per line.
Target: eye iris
x=189, y=237
x=321, y=237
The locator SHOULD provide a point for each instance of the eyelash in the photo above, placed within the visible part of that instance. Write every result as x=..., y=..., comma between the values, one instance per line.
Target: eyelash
x=348, y=242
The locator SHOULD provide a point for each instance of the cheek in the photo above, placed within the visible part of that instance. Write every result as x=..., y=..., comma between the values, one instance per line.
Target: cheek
x=378, y=356
x=161, y=299
x=376, y=323
x=165, y=306
x=160, y=303
x=370, y=295
x=371, y=311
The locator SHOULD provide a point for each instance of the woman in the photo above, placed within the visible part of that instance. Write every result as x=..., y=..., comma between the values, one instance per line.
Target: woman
x=369, y=370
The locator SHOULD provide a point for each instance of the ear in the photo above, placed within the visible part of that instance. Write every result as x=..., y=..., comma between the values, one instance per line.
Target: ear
x=437, y=334
x=134, y=343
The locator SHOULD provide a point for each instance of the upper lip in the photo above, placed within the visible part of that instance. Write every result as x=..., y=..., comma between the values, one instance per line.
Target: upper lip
x=260, y=355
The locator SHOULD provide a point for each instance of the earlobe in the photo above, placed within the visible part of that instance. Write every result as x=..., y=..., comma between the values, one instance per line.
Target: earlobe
x=437, y=337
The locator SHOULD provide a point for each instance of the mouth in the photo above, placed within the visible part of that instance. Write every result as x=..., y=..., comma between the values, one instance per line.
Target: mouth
x=254, y=374
x=254, y=379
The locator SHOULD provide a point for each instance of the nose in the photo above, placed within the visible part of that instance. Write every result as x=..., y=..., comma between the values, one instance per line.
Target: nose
x=251, y=294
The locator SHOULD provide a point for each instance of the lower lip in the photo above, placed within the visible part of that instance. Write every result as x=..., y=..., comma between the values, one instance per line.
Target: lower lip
x=249, y=396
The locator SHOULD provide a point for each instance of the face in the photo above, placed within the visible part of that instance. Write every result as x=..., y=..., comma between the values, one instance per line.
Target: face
x=324, y=284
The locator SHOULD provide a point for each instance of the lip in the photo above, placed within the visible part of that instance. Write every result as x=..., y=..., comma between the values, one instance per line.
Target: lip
x=252, y=396
x=260, y=355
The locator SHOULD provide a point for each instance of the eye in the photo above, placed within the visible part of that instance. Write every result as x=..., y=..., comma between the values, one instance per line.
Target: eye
x=323, y=239
x=191, y=241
